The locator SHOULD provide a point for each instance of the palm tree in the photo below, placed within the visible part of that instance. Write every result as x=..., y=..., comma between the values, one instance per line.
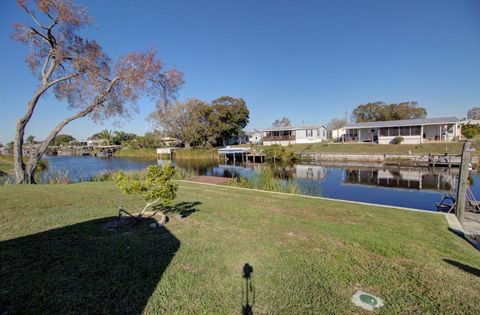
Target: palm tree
x=106, y=135
x=31, y=140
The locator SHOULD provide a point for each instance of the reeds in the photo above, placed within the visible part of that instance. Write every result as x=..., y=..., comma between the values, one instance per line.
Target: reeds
x=266, y=180
x=193, y=154
x=145, y=153
x=56, y=177
x=140, y=175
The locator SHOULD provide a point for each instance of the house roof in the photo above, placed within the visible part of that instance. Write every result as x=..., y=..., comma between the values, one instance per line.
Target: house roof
x=294, y=127
x=406, y=122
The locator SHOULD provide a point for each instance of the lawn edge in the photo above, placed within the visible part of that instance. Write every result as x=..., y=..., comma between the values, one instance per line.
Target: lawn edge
x=316, y=197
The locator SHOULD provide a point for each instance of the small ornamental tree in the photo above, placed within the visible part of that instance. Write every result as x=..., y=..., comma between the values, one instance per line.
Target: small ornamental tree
x=157, y=188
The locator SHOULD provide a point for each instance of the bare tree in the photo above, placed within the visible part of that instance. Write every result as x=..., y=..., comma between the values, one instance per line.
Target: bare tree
x=282, y=122
x=186, y=121
x=80, y=73
x=474, y=113
x=336, y=123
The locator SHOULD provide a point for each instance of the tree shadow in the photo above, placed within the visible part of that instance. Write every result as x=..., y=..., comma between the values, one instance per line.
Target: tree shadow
x=472, y=270
x=184, y=209
x=84, y=268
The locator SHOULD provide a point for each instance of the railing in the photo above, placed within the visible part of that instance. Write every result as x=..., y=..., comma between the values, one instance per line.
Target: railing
x=278, y=138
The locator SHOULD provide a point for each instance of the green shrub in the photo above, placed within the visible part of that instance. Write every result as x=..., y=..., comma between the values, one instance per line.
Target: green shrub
x=156, y=188
x=397, y=140
x=470, y=131
x=277, y=152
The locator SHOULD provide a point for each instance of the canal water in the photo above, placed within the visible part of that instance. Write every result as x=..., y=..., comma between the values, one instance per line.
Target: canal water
x=416, y=188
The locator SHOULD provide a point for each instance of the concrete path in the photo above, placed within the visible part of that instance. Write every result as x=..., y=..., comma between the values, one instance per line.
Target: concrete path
x=210, y=180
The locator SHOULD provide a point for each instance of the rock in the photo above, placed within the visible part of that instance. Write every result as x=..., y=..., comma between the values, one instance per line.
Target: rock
x=154, y=225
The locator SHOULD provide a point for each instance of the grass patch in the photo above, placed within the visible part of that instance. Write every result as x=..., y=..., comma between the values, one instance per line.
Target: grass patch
x=266, y=180
x=371, y=148
x=308, y=255
x=196, y=153
x=129, y=152
x=6, y=164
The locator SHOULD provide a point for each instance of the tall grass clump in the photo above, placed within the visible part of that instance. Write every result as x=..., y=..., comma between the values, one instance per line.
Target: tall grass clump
x=130, y=152
x=182, y=173
x=109, y=176
x=56, y=177
x=140, y=175
x=266, y=180
x=211, y=154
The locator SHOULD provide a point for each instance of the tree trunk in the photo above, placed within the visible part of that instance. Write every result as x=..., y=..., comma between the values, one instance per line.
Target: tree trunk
x=20, y=174
x=187, y=145
x=25, y=174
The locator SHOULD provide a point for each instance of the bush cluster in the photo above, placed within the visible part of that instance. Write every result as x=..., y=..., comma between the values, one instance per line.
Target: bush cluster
x=397, y=140
x=470, y=131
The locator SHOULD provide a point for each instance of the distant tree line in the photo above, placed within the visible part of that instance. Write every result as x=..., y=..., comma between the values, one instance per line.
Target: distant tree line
x=380, y=111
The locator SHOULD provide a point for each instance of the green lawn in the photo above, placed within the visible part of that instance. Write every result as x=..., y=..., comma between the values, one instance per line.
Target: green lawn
x=5, y=167
x=371, y=148
x=6, y=164
x=308, y=255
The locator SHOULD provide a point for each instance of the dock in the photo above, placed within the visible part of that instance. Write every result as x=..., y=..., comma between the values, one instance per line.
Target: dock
x=81, y=150
x=166, y=151
x=241, y=154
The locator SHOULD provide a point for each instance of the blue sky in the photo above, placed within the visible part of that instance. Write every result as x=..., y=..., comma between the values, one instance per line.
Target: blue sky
x=308, y=60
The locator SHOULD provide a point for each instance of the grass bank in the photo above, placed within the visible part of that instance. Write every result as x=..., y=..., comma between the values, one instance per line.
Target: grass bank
x=371, y=148
x=196, y=153
x=308, y=255
x=6, y=164
x=128, y=152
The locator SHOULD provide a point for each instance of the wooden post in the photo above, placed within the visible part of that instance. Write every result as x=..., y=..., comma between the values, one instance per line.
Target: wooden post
x=463, y=182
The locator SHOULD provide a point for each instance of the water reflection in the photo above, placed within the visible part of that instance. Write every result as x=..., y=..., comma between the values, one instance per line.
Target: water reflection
x=407, y=187
x=409, y=178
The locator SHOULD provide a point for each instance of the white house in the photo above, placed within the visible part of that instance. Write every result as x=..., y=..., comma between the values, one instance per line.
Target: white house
x=413, y=131
x=337, y=134
x=95, y=142
x=254, y=136
x=471, y=122
x=292, y=134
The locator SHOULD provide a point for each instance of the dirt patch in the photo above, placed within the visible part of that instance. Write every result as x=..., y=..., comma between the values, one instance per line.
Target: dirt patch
x=126, y=223
x=210, y=180
x=301, y=235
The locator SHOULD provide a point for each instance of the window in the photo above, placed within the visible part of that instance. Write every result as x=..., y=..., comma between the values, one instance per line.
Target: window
x=351, y=132
x=309, y=132
x=393, y=132
x=404, y=131
x=384, y=132
x=415, y=130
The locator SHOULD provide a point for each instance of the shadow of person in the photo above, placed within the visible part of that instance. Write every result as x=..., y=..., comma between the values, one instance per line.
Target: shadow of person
x=184, y=209
x=84, y=268
x=248, y=292
x=472, y=270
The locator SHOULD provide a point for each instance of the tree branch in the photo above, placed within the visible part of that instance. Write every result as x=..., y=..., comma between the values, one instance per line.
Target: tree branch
x=149, y=204
x=44, y=68
x=70, y=76
x=32, y=15
x=34, y=158
x=45, y=39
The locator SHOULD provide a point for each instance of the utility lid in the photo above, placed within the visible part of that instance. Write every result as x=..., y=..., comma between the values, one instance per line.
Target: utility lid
x=367, y=301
